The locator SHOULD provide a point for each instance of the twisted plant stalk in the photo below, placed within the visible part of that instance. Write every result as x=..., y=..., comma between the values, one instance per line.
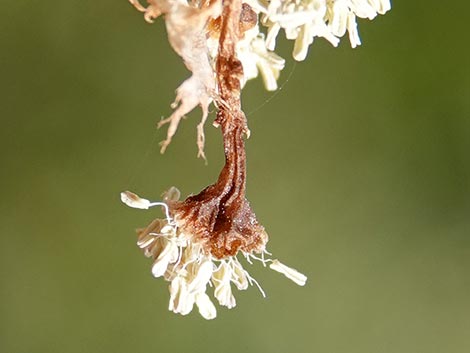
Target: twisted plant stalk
x=220, y=215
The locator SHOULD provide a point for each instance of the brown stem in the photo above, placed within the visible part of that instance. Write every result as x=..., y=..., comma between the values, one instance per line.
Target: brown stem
x=220, y=215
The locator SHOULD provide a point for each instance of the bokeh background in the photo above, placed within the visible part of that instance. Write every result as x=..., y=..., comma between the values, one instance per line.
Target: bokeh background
x=359, y=168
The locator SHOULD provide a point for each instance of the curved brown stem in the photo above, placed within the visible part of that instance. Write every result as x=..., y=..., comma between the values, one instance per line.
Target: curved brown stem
x=220, y=215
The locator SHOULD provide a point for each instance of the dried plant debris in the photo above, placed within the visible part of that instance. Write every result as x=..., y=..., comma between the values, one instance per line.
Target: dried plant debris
x=222, y=44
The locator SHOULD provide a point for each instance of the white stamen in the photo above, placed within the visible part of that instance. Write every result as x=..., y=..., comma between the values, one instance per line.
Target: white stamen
x=167, y=210
x=289, y=272
x=252, y=280
x=202, y=277
x=145, y=241
x=205, y=306
x=134, y=201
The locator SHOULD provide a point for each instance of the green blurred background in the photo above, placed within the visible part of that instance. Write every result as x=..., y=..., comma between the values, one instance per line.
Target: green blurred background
x=359, y=168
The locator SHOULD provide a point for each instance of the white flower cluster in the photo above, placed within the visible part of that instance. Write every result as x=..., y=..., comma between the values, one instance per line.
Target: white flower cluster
x=182, y=261
x=255, y=57
x=303, y=20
